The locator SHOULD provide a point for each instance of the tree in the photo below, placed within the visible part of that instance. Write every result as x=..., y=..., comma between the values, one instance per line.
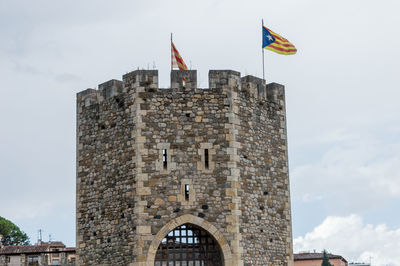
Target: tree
x=11, y=233
x=325, y=259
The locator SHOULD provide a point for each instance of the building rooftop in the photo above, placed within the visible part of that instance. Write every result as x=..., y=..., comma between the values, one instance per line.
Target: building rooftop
x=315, y=256
x=38, y=248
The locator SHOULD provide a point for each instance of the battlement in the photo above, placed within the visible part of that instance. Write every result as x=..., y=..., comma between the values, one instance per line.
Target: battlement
x=183, y=81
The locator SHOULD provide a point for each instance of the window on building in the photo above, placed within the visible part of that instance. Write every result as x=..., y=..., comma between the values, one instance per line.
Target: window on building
x=55, y=262
x=187, y=192
x=33, y=260
x=165, y=158
x=206, y=159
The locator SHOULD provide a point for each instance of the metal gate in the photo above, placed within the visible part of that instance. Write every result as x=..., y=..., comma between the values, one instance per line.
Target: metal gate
x=188, y=245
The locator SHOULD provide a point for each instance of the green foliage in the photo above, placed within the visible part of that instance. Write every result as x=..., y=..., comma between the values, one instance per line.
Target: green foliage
x=12, y=235
x=325, y=260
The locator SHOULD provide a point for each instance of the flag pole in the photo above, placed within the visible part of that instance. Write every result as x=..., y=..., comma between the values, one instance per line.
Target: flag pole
x=262, y=29
x=171, y=51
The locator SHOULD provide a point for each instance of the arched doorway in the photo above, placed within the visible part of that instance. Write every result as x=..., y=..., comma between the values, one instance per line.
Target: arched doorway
x=188, y=245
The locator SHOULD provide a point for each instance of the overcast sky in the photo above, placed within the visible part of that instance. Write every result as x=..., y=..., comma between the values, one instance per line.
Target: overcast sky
x=342, y=92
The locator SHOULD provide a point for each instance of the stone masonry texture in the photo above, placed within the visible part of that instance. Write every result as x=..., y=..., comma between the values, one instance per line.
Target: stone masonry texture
x=128, y=198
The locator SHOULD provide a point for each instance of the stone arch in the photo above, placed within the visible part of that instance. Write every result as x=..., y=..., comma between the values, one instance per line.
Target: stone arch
x=188, y=218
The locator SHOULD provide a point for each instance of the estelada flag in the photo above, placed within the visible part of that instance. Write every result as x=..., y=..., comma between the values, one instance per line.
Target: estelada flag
x=276, y=43
x=176, y=59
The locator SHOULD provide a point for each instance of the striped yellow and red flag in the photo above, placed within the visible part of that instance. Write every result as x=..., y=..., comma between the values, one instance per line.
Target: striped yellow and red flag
x=176, y=59
x=276, y=43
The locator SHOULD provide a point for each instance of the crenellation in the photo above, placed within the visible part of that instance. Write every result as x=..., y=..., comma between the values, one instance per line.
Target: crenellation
x=111, y=88
x=218, y=79
x=86, y=92
x=254, y=86
x=276, y=93
x=141, y=79
x=87, y=97
x=184, y=79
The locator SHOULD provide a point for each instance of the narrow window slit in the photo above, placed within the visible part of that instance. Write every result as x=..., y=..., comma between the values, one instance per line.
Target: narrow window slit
x=186, y=192
x=206, y=160
x=165, y=160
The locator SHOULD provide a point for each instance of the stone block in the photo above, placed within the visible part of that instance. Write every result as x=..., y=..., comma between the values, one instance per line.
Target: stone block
x=143, y=229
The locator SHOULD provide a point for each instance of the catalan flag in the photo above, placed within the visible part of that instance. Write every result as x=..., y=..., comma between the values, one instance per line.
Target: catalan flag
x=176, y=59
x=276, y=43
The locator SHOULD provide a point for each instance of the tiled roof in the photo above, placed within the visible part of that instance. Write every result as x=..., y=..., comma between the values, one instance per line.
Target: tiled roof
x=23, y=249
x=39, y=248
x=315, y=256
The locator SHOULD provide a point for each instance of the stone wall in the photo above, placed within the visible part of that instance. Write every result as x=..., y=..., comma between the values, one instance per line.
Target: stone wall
x=266, y=219
x=129, y=198
x=105, y=177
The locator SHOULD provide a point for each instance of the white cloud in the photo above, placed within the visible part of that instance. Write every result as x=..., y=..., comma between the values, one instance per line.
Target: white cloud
x=355, y=241
x=355, y=173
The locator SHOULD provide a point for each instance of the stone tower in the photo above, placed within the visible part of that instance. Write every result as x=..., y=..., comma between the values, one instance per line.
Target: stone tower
x=183, y=176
